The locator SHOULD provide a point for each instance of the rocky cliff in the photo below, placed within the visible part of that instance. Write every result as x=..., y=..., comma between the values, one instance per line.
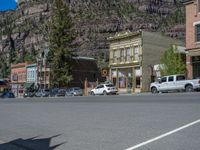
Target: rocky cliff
x=24, y=30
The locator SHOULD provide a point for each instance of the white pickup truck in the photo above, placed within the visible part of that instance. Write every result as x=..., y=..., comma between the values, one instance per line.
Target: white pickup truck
x=175, y=83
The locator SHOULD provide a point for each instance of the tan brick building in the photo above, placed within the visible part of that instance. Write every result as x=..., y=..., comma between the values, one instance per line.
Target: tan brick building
x=193, y=38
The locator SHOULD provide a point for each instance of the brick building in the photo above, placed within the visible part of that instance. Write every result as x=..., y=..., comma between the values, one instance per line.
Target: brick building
x=84, y=68
x=193, y=38
x=18, y=78
x=132, y=57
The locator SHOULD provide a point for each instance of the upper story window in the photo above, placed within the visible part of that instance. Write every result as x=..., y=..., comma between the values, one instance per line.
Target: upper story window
x=136, y=53
x=115, y=56
x=121, y=55
x=197, y=28
x=128, y=55
x=198, y=5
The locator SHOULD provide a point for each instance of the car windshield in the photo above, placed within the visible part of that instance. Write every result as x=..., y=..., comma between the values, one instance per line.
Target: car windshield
x=61, y=90
x=109, y=85
x=77, y=88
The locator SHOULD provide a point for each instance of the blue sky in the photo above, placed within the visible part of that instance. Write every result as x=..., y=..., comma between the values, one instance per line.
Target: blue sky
x=7, y=4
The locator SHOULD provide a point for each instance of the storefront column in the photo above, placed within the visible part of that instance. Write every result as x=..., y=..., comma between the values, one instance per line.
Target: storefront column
x=117, y=79
x=189, y=67
x=133, y=80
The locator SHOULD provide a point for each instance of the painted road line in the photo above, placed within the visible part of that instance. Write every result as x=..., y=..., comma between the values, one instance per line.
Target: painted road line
x=163, y=135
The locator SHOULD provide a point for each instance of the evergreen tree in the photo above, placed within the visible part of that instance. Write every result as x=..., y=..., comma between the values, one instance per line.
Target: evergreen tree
x=172, y=62
x=61, y=36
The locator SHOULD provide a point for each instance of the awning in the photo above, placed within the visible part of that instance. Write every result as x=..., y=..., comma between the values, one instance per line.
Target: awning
x=28, y=85
x=195, y=52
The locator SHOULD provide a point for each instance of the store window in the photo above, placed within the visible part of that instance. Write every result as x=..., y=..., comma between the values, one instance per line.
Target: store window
x=197, y=27
x=122, y=82
x=196, y=67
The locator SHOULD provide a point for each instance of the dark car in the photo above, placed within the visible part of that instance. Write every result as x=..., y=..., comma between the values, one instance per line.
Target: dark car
x=53, y=92
x=74, y=91
x=7, y=94
x=29, y=94
x=61, y=92
x=42, y=93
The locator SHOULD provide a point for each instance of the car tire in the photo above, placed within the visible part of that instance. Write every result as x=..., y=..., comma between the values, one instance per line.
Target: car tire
x=189, y=88
x=92, y=93
x=104, y=93
x=154, y=90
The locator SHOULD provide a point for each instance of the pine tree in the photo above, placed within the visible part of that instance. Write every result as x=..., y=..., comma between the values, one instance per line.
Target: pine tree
x=61, y=36
x=172, y=62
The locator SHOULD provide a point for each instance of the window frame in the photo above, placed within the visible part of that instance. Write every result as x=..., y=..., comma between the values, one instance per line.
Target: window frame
x=114, y=56
x=128, y=54
x=162, y=79
x=171, y=77
x=197, y=33
x=121, y=54
x=136, y=53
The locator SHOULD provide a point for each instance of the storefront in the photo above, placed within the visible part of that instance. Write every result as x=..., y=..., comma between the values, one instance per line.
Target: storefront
x=127, y=79
x=196, y=67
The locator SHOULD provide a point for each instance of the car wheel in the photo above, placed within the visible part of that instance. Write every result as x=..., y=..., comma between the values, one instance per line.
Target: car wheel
x=189, y=88
x=104, y=93
x=154, y=90
x=92, y=93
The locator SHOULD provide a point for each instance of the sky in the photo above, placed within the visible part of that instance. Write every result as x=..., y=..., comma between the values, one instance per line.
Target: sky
x=7, y=5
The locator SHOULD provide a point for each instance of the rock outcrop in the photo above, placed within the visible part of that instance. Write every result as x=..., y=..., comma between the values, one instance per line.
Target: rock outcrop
x=95, y=21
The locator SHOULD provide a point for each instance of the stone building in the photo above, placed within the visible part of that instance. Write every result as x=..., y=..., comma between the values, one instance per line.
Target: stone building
x=193, y=38
x=132, y=57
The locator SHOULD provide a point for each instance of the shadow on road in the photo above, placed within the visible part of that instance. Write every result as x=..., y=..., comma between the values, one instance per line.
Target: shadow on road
x=34, y=143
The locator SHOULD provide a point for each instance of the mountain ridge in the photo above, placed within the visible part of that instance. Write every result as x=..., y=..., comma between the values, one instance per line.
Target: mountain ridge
x=25, y=30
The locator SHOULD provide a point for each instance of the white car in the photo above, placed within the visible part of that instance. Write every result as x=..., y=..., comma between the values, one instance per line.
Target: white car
x=104, y=89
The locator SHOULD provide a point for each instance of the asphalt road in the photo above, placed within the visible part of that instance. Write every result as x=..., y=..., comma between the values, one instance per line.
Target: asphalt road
x=102, y=123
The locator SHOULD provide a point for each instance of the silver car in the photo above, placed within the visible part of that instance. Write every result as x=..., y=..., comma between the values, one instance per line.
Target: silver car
x=74, y=91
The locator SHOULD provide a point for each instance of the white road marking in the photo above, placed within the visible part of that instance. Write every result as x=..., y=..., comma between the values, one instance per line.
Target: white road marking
x=163, y=135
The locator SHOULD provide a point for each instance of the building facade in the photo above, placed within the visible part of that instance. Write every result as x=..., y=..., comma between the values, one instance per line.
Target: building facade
x=132, y=57
x=85, y=68
x=31, y=76
x=193, y=38
x=18, y=78
x=43, y=73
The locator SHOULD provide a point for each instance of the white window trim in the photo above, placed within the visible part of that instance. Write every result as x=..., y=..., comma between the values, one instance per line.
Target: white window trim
x=196, y=23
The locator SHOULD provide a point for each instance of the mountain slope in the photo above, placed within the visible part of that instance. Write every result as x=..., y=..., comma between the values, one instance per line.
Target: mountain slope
x=24, y=31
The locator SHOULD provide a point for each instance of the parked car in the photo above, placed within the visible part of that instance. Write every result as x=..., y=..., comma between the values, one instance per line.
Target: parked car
x=74, y=91
x=104, y=89
x=61, y=92
x=175, y=83
x=53, y=92
x=7, y=94
x=42, y=93
x=29, y=94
